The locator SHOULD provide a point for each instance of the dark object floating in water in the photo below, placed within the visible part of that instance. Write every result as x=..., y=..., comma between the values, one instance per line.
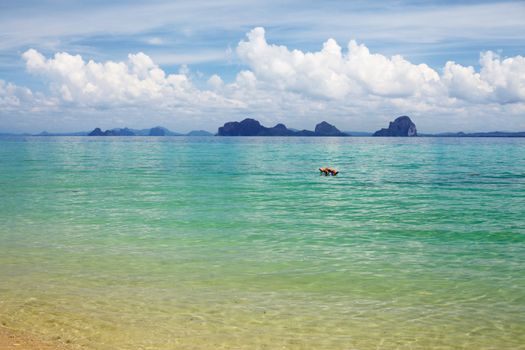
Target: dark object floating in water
x=328, y=171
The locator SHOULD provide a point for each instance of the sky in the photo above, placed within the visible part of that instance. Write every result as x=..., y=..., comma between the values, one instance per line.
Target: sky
x=187, y=65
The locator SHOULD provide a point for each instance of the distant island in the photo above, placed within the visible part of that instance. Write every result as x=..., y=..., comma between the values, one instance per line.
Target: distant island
x=478, y=134
x=252, y=127
x=156, y=131
x=402, y=126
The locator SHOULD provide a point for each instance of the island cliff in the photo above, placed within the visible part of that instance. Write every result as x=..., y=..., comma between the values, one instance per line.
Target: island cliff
x=326, y=129
x=252, y=127
x=112, y=132
x=402, y=126
x=156, y=131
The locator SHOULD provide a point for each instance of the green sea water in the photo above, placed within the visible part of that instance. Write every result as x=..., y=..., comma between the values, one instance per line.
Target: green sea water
x=239, y=243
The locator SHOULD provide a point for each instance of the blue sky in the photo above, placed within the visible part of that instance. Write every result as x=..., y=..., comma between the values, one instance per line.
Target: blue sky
x=473, y=76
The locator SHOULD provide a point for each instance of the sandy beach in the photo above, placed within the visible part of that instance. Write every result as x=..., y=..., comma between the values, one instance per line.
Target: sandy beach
x=11, y=339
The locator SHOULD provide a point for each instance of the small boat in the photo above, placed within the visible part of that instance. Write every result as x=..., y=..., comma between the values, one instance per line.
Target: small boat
x=328, y=171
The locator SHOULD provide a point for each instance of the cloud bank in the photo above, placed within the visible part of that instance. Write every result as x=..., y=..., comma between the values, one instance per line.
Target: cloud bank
x=334, y=74
x=350, y=86
x=136, y=82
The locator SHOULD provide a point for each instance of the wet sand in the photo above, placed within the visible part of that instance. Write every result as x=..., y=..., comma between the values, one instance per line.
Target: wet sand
x=11, y=339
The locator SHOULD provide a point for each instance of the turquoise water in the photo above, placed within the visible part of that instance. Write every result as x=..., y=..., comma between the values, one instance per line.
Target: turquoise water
x=238, y=243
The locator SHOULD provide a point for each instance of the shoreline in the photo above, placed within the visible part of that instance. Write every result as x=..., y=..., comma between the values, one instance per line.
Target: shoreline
x=12, y=339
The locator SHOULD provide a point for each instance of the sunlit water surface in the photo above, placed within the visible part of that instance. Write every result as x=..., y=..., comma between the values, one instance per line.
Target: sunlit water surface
x=238, y=243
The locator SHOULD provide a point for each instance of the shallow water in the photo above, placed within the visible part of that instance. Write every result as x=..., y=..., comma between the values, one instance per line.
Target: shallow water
x=238, y=243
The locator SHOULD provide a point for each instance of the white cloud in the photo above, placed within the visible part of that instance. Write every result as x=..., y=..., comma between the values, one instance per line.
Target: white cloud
x=155, y=41
x=329, y=74
x=334, y=74
x=14, y=97
x=465, y=83
x=507, y=76
x=137, y=81
x=215, y=82
x=351, y=86
x=501, y=81
x=398, y=22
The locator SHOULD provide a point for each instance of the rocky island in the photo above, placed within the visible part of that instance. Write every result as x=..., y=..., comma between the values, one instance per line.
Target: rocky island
x=252, y=127
x=112, y=132
x=155, y=131
x=401, y=126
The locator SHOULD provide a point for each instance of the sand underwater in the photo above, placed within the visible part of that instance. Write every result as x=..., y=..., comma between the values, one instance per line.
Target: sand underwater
x=239, y=243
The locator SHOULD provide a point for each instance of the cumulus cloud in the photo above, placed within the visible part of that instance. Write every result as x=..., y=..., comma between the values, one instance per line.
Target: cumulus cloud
x=278, y=84
x=334, y=74
x=501, y=81
x=507, y=76
x=215, y=82
x=330, y=73
x=465, y=83
x=133, y=82
x=14, y=97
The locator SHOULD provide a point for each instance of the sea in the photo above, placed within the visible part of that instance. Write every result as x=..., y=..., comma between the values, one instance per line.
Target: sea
x=240, y=243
